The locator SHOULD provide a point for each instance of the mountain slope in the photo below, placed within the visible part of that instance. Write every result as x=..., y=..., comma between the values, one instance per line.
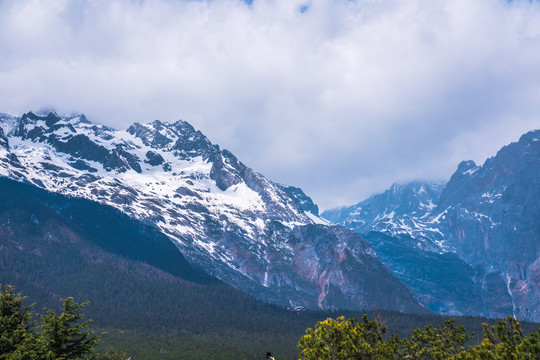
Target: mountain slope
x=133, y=279
x=102, y=226
x=491, y=215
x=402, y=209
x=225, y=218
x=487, y=216
x=147, y=311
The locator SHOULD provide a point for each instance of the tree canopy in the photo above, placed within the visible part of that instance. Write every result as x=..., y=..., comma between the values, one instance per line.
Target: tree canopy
x=58, y=337
x=350, y=339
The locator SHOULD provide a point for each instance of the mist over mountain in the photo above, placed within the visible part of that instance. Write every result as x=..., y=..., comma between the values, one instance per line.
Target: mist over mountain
x=480, y=232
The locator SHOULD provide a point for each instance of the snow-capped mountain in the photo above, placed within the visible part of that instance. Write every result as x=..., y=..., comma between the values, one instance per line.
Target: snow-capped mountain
x=228, y=220
x=492, y=217
x=487, y=216
x=401, y=210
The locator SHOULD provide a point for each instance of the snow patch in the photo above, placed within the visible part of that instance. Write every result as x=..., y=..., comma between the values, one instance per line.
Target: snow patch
x=470, y=171
x=317, y=220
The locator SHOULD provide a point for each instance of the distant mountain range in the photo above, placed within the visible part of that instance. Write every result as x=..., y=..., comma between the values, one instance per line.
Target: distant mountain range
x=470, y=246
x=228, y=221
x=165, y=199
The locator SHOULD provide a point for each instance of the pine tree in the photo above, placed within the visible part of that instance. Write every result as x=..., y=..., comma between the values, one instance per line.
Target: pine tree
x=529, y=349
x=347, y=339
x=14, y=322
x=436, y=343
x=505, y=341
x=65, y=337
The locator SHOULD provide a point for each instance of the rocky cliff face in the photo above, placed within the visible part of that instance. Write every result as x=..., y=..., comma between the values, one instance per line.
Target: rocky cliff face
x=263, y=238
x=491, y=217
x=486, y=217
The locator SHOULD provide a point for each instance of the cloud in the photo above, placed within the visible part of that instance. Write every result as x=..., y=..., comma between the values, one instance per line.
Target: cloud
x=339, y=97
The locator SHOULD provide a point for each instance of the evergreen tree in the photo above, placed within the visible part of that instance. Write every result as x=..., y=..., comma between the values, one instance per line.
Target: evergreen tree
x=64, y=336
x=529, y=349
x=342, y=339
x=505, y=341
x=14, y=322
x=347, y=339
x=435, y=343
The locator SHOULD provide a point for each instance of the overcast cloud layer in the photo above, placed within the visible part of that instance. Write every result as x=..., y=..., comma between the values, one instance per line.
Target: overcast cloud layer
x=341, y=98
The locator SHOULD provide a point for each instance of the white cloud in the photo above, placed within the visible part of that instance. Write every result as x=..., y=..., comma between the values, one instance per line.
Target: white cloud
x=342, y=100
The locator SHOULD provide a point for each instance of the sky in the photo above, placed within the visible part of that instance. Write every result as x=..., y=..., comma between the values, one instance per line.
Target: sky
x=339, y=97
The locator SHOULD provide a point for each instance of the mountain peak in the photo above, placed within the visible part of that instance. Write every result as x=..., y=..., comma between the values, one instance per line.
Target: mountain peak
x=223, y=216
x=483, y=231
x=466, y=167
x=301, y=199
x=390, y=210
x=531, y=136
x=8, y=123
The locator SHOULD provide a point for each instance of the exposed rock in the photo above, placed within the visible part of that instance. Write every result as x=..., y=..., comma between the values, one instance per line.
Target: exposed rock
x=226, y=218
x=300, y=198
x=153, y=158
x=4, y=142
x=486, y=216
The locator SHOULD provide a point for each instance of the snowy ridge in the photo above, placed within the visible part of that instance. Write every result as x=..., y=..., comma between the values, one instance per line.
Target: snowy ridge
x=169, y=190
x=401, y=210
x=225, y=218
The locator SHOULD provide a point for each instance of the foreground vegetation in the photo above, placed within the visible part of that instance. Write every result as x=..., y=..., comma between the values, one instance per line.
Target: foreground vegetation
x=58, y=337
x=350, y=339
x=67, y=336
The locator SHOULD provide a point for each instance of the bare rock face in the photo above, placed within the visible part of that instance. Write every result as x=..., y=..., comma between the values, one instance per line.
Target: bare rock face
x=346, y=269
x=485, y=222
x=492, y=217
x=4, y=142
x=300, y=198
x=226, y=219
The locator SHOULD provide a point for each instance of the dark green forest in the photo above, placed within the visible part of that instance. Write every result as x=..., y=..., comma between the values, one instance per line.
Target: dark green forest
x=142, y=292
x=66, y=334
